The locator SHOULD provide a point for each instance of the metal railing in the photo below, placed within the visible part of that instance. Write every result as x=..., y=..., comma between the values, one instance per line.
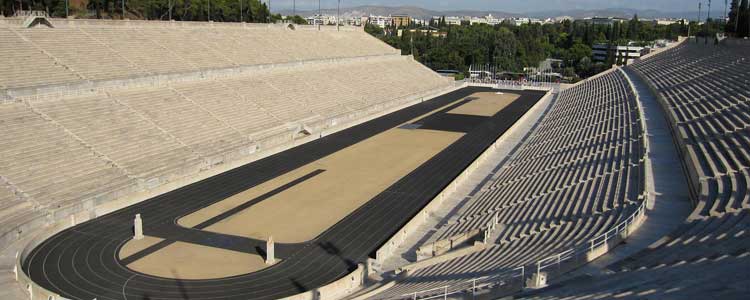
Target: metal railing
x=471, y=285
x=514, y=84
x=587, y=250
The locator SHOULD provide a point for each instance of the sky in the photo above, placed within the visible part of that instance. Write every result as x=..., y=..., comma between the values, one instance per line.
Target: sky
x=514, y=6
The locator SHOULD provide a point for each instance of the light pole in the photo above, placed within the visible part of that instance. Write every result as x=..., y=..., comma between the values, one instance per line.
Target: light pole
x=240, y=11
x=170, y=9
x=269, y=12
x=294, y=8
x=725, y=12
x=209, y=11
x=123, y=9
x=708, y=24
x=320, y=16
x=338, y=15
x=66, y=9
x=700, y=6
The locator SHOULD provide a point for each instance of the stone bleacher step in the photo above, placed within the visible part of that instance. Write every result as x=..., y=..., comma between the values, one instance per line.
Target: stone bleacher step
x=542, y=229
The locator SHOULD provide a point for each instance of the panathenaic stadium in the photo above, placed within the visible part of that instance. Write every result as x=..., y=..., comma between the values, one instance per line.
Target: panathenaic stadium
x=179, y=160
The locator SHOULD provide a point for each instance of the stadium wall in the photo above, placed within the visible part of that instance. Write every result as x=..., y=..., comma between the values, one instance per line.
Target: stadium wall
x=335, y=290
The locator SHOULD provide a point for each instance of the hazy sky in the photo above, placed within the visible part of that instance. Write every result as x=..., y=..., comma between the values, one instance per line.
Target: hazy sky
x=511, y=5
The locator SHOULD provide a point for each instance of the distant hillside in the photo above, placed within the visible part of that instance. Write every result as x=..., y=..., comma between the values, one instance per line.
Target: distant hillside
x=422, y=13
x=414, y=12
x=614, y=12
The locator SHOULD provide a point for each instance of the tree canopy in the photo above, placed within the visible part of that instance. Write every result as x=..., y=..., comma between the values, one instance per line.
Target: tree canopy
x=512, y=48
x=182, y=10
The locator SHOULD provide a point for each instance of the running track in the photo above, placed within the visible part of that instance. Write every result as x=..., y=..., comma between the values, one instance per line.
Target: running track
x=82, y=263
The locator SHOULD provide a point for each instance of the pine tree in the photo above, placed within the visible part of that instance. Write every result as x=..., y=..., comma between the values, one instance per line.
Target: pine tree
x=634, y=28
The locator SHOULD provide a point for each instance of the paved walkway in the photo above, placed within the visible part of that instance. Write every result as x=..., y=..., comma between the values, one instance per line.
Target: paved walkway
x=9, y=288
x=669, y=200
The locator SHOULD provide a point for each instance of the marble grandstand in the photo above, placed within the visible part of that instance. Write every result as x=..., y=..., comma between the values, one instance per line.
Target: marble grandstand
x=98, y=114
x=116, y=112
x=583, y=169
x=576, y=177
x=705, y=93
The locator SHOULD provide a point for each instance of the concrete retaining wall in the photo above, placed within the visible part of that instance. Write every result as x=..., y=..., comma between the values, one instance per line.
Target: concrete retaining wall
x=335, y=290
x=442, y=246
x=478, y=246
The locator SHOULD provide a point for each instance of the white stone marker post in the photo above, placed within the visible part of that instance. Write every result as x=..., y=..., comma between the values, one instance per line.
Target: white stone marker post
x=270, y=259
x=138, y=227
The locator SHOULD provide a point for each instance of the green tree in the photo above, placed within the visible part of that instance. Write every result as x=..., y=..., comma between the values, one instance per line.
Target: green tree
x=633, y=28
x=512, y=48
x=374, y=30
x=298, y=20
x=506, y=49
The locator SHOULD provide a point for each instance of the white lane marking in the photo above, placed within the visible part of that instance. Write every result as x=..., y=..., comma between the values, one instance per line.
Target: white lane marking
x=125, y=297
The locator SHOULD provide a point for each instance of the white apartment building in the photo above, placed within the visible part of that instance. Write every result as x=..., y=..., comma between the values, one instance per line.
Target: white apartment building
x=380, y=21
x=600, y=52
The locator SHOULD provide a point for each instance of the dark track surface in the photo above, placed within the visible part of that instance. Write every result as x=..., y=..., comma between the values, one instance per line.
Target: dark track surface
x=81, y=262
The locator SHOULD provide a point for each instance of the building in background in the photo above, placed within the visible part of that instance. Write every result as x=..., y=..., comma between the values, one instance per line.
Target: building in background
x=380, y=21
x=488, y=19
x=315, y=20
x=426, y=30
x=400, y=20
x=604, y=20
x=670, y=21
x=453, y=20
x=521, y=21
x=601, y=52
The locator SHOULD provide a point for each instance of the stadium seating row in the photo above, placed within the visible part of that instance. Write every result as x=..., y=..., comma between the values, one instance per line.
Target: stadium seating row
x=707, y=101
x=705, y=94
x=579, y=174
x=97, y=53
x=717, y=141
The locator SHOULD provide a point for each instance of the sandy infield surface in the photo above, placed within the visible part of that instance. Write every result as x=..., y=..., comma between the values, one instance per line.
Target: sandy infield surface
x=345, y=181
x=350, y=178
